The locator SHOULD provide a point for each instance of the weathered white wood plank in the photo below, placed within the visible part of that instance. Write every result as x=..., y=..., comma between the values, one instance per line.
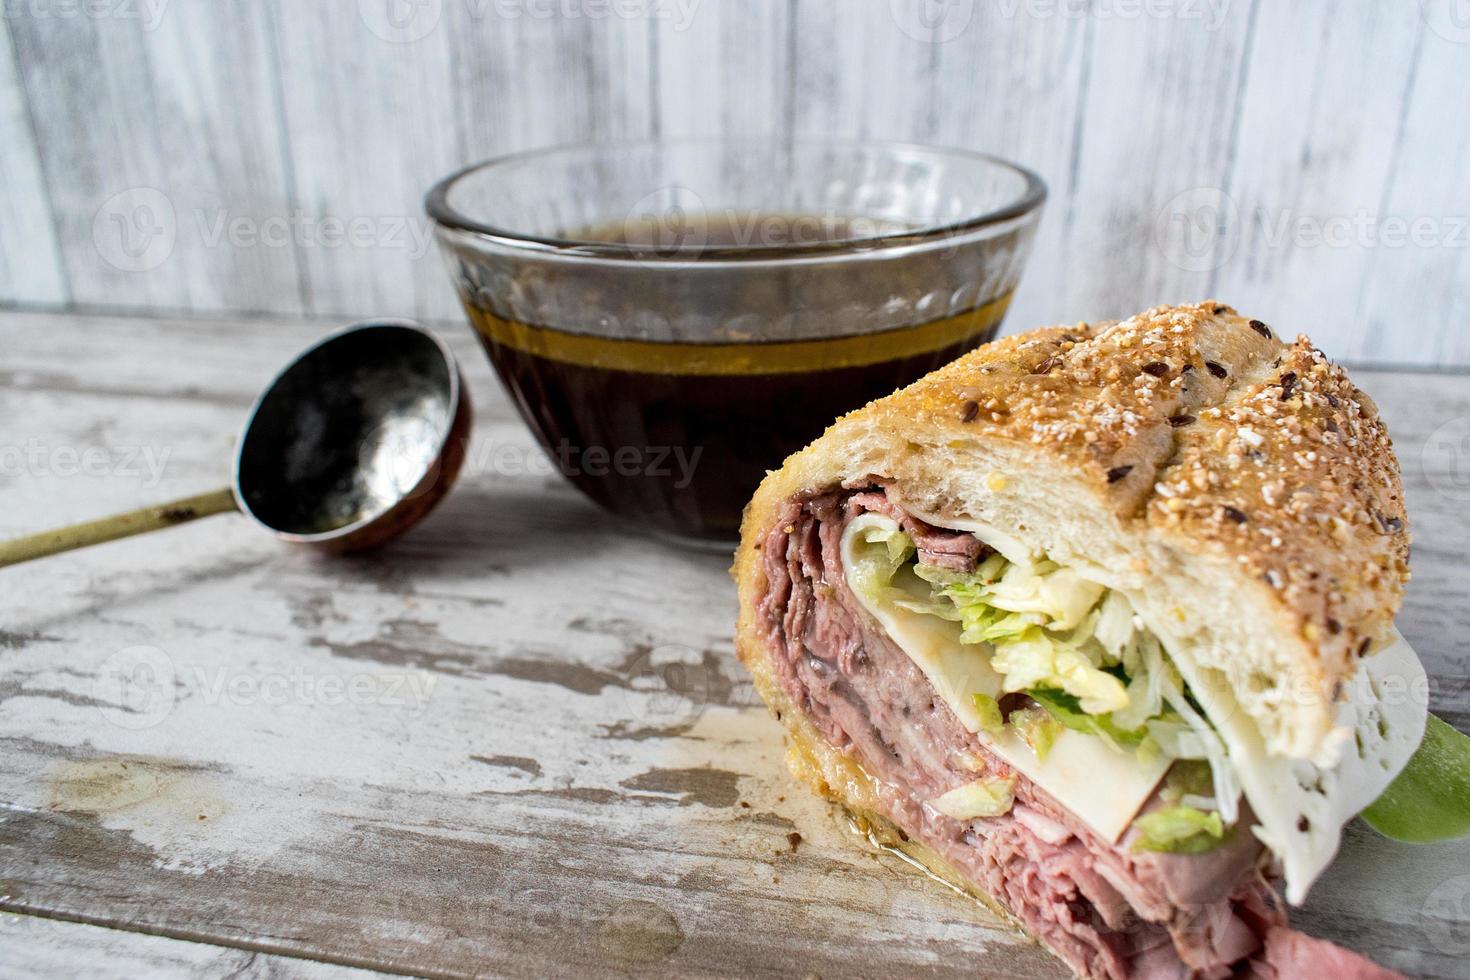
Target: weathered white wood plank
x=584, y=78
x=319, y=131
x=515, y=742
x=30, y=262
x=370, y=106
x=161, y=148
x=724, y=69
x=1010, y=85
x=1159, y=111
x=1416, y=297
x=46, y=948
x=1324, y=92
x=445, y=825
x=978, y=76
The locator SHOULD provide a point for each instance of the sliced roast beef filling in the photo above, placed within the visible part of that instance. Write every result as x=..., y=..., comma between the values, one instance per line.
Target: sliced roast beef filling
x=1109, y=912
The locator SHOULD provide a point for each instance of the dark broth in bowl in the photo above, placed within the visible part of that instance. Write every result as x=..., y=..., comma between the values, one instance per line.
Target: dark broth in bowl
x=678, y=434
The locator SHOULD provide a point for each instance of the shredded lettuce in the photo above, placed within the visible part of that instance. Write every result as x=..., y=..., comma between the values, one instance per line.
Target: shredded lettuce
x=1068, y=710
x=1078, y=650
x=1038, y=729
x=1179, y=830
x=987, y=797
x=1039, y=620
x=1188, y=777
x=1430, y=799
x=1199, y=741
x=876, y=568
x=988, y=709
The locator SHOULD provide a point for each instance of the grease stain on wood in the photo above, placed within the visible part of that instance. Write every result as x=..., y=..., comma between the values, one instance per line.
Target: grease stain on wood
x=106, y=786
x=639, y=932
x=364, y=833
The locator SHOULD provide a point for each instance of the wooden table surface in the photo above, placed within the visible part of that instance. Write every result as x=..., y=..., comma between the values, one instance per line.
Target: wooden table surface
x=516, y=742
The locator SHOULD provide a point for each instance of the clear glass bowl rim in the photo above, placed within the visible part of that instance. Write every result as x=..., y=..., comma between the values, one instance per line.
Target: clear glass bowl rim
x=436, y=203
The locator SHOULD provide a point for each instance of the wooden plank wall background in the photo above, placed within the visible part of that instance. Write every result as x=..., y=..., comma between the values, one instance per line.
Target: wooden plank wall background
x=1308, y=161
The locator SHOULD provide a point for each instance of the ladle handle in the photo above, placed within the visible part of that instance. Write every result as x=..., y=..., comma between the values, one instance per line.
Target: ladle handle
x=124, y=525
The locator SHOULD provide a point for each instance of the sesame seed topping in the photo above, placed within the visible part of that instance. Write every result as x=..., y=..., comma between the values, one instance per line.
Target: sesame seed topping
x=969, y=411
x=1218, y=370
x=1234, y=513
x=1156, y=368
x=1179, y=421
x=1118, y=472
x=1261, y=329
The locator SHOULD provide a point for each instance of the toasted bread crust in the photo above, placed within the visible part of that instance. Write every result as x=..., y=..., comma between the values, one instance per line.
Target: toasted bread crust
x=1202, y=433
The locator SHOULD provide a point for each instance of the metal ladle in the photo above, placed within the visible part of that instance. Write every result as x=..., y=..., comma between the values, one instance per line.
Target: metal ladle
x=350, y=445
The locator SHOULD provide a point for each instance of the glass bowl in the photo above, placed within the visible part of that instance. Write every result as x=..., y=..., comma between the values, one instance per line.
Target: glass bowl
x=674, y=318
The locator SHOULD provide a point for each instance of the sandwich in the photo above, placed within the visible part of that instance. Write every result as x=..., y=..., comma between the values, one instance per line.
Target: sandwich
x=1097, y=624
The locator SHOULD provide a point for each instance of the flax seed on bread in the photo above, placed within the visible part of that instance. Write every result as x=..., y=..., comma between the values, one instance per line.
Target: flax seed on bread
x=1240, y=489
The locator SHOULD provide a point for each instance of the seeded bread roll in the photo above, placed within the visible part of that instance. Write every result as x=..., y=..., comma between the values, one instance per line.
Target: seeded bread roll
x=1240, y=490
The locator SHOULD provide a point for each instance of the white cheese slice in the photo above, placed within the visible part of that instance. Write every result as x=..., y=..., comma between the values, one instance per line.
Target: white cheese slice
x=1301, y=807
x=1102, y=785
